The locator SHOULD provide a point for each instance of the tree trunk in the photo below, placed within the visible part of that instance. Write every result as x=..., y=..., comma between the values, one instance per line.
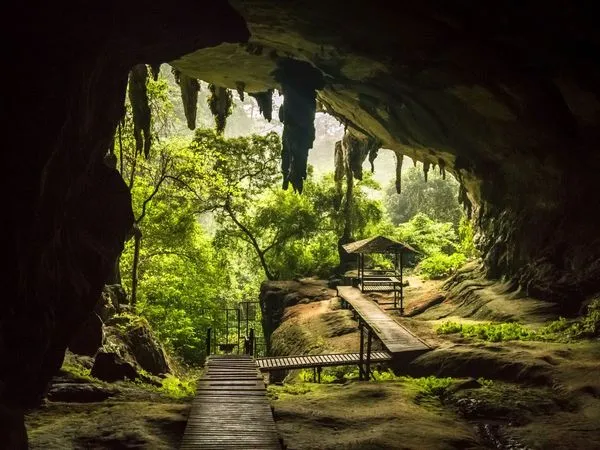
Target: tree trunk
x=137, y=236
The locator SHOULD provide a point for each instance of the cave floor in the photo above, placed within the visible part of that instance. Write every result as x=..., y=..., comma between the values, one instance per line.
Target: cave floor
x=136, y=417
x=509, y=395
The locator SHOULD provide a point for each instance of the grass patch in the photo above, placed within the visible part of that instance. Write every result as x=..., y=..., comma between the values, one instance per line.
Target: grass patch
x=561, y=330
x=78, y=372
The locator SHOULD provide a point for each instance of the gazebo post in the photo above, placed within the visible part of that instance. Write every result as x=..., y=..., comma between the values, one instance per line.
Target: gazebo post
x=401, y=286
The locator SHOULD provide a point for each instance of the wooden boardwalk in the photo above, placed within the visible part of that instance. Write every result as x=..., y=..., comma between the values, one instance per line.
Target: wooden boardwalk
x=395, y=338
x=307, y=361
x=231, y=410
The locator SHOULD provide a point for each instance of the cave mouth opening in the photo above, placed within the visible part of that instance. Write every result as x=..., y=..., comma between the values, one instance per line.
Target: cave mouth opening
x=512, y=111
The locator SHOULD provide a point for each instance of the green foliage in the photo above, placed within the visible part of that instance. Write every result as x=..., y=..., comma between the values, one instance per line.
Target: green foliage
x=437, y=197
x=489, y=332
x=560, y=330
x=429, y=386
x=79, y=372
x=179, y=388
x=440, y=265
x=428, y=236
x=466, y=238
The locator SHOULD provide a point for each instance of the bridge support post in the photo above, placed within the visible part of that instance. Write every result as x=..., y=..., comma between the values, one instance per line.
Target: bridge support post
x=368, y=365
x=319, y=374
x=362, y=350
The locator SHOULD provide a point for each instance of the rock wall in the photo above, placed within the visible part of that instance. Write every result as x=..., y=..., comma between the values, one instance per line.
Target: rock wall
x=66, y=214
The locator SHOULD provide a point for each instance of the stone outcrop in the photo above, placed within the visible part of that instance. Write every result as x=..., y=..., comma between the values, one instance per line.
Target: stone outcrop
x=132, y=339
x=109, y=366
x=275, y=296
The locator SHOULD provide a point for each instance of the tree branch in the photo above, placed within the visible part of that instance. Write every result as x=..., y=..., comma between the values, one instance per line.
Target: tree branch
x=253, y=241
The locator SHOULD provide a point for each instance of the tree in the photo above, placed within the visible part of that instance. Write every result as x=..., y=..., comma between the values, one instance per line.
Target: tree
x=437, y=197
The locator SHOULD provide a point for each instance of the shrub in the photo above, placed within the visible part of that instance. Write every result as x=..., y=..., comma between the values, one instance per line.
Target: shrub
x=587, y=326
x=440, y=265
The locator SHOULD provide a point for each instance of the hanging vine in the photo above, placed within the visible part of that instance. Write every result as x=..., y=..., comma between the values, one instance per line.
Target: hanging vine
x=220, y=103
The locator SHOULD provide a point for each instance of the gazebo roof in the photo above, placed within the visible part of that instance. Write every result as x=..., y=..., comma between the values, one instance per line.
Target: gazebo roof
x=378, y=244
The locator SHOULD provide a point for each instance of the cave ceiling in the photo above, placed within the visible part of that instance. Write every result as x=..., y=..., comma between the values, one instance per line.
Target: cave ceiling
x=468, y=88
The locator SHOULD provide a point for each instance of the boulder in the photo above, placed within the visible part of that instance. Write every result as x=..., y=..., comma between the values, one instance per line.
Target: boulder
x=146, y=350
x=109, y=366
x=88, y=339
x=79, y=392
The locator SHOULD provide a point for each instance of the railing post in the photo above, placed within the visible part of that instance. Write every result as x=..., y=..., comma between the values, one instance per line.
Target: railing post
x=251, y=344
x=208, y=333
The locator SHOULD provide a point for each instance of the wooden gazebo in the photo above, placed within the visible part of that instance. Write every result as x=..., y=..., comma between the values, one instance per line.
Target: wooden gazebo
x=381, y=280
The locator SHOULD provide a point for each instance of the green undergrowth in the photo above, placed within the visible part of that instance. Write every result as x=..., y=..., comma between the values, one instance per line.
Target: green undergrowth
x=422, y=387
x=79, y=372
x=173, y=386
x=560, y=330
x=177, y=388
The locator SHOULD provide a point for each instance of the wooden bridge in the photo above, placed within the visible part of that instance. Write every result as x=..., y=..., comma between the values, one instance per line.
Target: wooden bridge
x=308, y=361
x=374, y=322
x=231, y=410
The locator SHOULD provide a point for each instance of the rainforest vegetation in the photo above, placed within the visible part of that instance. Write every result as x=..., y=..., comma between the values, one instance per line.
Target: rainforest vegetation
x=212, y=222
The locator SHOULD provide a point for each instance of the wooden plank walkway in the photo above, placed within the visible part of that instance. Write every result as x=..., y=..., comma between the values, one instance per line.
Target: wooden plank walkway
x=231, y=410
x=307, y=361
x=395, y=338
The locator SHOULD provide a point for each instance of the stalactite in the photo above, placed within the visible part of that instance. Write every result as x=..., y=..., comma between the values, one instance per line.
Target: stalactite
x=155, y=69
x=138, y=97
x=373, y=153
x=359, y=147
x=463, y=199
x=338, y=175
x=239, y=87
x=299, y=82
x=265, y=103
x=220, y=103
x=399, y=160
x=426, y=165
x=189, y=88
x=442, y=166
